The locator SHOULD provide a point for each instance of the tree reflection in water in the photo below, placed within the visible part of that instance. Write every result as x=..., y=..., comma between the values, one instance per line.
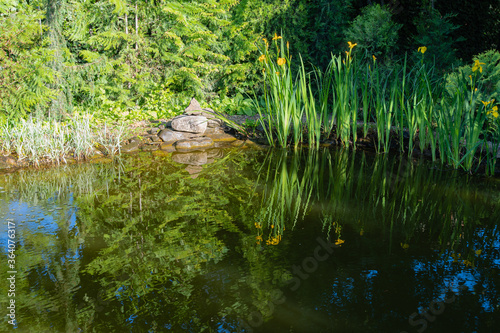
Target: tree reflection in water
x=142, y=245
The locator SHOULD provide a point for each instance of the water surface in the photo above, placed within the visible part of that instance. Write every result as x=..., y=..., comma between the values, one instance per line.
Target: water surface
x=252, y=240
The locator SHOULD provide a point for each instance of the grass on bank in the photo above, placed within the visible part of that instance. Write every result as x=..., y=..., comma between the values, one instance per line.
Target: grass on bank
x=38, y=141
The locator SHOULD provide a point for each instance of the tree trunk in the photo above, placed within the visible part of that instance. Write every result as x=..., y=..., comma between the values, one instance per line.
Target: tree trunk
x=126, y=24
x=136, y=26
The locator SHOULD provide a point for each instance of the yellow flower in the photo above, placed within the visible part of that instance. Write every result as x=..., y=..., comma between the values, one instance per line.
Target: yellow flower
x=273, y=240
x=374, y=58
x=267, y=43
x=287, y=45
x=494, y=111
x=259, y=239
x=276, y=36
x=485, y=103
x=262, y=58
x=351, y=45
x=278, y=74
x=257, y=225
x=478, y=252
x=477, y=65
x=339, y=242
x=405, y=246
x=281, y=61
x=422, y=49
x=467, y=263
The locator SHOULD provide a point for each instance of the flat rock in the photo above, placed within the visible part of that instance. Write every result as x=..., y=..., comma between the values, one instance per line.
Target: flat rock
x=194, y=144
x=167, y=147
x=213, y=131
x=131, y=147
x=191, y=124
x=135, y=140
x=168, y=135
x=150, y=147
x=193, y=158
x=222, y=137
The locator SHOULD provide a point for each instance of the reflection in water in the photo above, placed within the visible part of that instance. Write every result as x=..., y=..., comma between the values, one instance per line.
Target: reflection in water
x=141, y=245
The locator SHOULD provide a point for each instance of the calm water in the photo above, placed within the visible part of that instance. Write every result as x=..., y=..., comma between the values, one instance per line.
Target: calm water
x=251, y=241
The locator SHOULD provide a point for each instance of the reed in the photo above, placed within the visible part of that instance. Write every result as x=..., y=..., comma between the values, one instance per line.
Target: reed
x=282, y=116
x=410, y=101
x=38, y=141
x=343, y=72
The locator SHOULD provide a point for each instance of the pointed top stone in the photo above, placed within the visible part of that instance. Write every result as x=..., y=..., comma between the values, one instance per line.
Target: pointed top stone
x=193, y=106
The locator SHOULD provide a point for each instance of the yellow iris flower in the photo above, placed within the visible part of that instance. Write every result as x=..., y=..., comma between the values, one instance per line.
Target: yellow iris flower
x=276, y=36
x=374, y=58
x=281, y=61
x=477, y=65
x=494, y=111
x=422, y=49
x=262, y=58
x=351, y=45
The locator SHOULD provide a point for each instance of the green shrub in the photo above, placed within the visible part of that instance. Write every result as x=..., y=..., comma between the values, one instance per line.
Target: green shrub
x=24, y=62
x=162, y=103
x=374, y=32
x=236, y=105
x=483, y=74
x=434, y=32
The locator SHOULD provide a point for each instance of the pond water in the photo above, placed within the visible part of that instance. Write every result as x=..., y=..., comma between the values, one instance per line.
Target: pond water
x=248, y=240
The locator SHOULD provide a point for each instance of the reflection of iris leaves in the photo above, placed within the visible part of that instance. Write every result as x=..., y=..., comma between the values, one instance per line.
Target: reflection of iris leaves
x=373, y=195
x=289, y=186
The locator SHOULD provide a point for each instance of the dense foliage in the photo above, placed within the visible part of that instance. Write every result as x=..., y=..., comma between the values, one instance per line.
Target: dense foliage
x=140, y=58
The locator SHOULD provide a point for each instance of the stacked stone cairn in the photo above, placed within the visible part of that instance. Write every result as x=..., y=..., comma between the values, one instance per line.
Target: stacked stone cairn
x=192, y=130
x=196, y=129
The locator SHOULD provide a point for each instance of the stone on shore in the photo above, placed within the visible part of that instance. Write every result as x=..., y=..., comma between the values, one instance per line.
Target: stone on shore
x=131, y=147
x=191, y=124
x=167, y=135
x=194, y=144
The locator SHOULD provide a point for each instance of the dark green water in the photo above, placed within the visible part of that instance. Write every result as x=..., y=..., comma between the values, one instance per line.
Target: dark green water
x=254, y=240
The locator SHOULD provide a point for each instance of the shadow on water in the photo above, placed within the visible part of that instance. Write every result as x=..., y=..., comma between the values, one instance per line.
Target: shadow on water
x=262, y=241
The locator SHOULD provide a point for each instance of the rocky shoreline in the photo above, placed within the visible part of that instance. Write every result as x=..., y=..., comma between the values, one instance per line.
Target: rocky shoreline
x=194, y=138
